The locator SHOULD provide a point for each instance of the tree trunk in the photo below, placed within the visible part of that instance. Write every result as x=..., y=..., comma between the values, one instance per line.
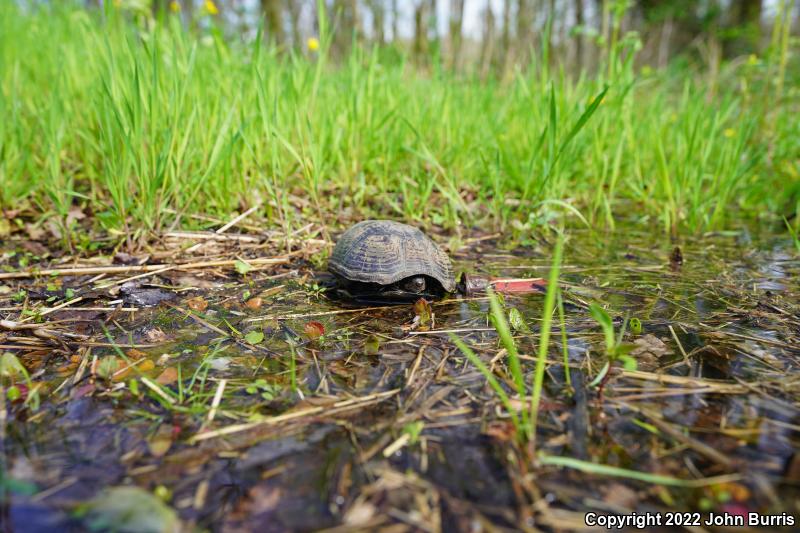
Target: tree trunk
x=395, y=22
x=456, y=27
x=348, y=26
x=421, y=32
x=664, y=42
x=504, y=58
x=552, y=29
x=158, y=6
x=378, y=21
x=745, y=25
x=579, y=22
x=293, y=9
x=525, y=32
x=273, y=23
x=487, y=42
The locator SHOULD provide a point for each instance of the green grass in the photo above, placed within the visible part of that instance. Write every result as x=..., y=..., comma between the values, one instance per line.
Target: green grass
x=525, y=416
x=144, y=124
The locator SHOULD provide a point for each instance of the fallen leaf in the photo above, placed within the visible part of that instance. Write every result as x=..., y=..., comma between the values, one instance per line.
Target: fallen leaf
x=618, y=495
x=314, y=330
x=123, y=258
x=423, y=310
x=254, y=303
x=194, y=282
x=168, y=376
x=198, y=303
x=372, y=345
x=646, y=350
x=518, y=286
x=501, y=431
x=130, y=510
x=107, y=367
x=161, y=441
x=220, y=363
x=254, y=337
x=135, y=354
x=359, y=514
x=82, y=391
x=133, y=293
x=154, y=335
x=35, y=233
x=649, y=345
x=146, y=366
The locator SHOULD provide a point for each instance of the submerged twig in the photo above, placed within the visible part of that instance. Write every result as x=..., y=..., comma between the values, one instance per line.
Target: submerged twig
x=286, y=417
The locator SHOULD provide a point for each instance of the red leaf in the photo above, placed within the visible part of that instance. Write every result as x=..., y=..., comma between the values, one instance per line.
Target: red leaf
x=508, y=286
x=314, y=330
x=423, y=310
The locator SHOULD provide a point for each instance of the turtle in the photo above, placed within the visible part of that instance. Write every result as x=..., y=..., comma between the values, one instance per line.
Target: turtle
x=382, y=261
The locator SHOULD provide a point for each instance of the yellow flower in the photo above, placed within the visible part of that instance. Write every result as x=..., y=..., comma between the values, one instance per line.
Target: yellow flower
x=752, y=59
x=211, y=7
x=647, y=70
x=729, y=132
x=174, y=6
x=313, y=44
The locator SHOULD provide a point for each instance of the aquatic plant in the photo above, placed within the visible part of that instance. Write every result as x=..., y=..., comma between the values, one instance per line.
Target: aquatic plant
x=615, y=349
x=523, y=416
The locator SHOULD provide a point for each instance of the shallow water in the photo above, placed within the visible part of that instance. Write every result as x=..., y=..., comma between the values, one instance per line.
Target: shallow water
x=722, y=327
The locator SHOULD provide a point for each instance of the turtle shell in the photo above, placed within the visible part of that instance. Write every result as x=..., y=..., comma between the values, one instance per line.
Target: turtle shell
x=384, y=252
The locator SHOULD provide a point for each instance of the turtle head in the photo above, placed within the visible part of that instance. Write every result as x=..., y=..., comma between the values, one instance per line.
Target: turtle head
x=415, y=284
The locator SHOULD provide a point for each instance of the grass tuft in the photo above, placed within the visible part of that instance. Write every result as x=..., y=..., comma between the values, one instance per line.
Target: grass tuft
x=142, y=125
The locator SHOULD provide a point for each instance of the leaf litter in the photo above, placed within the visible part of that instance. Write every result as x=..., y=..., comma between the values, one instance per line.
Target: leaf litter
x=246, y=398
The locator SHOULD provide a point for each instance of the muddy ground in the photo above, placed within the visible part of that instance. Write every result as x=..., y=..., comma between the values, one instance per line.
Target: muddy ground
x=210, y=387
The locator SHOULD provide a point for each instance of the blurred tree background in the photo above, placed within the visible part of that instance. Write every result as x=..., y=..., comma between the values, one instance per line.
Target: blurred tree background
x=499, y=36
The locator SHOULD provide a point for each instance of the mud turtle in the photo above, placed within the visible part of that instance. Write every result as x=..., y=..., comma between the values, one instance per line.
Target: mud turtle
x=385, y=261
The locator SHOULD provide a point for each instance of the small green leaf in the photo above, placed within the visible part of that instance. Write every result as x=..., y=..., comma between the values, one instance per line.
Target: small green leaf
x=628, y=362
x=648, y=427
x=11, y=368
x=242, y=267
x=268, y=395
x=603, y=371
x=254, y=337
x=413, y=430
x=13, y=393
x=603, y=318
x=516, y=321
x=372, y=345
x=636, y=326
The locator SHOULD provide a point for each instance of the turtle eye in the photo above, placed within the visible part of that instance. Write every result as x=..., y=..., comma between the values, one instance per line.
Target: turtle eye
x=417, y=284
